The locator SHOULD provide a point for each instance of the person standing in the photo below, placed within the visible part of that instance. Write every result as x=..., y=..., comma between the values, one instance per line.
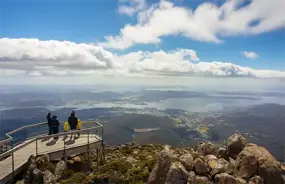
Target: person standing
x=49, y=124
x=65, y=128
x=55, y=125
x=72, y=121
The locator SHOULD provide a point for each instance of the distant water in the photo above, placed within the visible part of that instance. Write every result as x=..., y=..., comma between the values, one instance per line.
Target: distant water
x=215, y=103
x=187, y=104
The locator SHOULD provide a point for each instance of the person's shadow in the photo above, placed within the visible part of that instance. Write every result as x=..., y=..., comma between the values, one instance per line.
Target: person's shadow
x=70, y=141
x=45, y=139
x=52, y=142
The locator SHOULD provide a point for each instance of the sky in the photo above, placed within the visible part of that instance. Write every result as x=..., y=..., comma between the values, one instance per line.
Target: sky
x=141, y=41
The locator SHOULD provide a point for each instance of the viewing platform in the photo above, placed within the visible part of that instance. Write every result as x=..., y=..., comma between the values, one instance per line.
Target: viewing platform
x=29, y=140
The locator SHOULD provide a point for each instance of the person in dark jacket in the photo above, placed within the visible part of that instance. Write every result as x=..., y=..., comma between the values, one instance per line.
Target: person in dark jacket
x=55, y=125
x=72, y=121
x=49, y=124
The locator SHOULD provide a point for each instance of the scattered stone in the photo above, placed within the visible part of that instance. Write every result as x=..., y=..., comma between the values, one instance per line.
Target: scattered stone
x=59, y=169
x=76, y=159
x=255, y=180
x=49, y=178
x=283, y=168
x=218, y=166
x=40, y=163
x=206, y=148
x=223, y=153
x=159, y=173
x=241, y=181
x=225, y=178
x=208, y=158
x=269, y=168
x=203, y=180
x=191, y=178
x=187, y=161
x=246, y=165
x=235, y=144
x=46, y=158
x=20, y=182
x=176, y=174
x=37, y=176
x=200, y=166
x=29, y=174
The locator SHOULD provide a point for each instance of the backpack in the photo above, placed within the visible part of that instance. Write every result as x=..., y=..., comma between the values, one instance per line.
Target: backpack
x=65, y=126
x=79, y=124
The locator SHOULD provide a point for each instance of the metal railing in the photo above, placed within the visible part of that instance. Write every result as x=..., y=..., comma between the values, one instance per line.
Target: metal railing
x=89, y=128
x=34, y=132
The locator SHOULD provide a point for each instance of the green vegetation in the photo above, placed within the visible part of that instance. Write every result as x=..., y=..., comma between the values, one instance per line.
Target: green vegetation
x=75, y=179
x=123, y=165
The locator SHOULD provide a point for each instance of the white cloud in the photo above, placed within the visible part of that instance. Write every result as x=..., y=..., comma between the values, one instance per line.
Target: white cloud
x=33, y=57
x=207, y=22
x=133, y=7
x=250, y=55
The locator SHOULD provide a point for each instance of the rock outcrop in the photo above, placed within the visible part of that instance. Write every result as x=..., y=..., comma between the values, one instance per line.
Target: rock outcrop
x=268, y=167
x=187, y=161
x=59, y=169
x=38, y=172
x=235, y=144
x=225, y=178
x=176, y=174
x=246, y=165
x=200, y=166
x=164, y=160
x=238, y=163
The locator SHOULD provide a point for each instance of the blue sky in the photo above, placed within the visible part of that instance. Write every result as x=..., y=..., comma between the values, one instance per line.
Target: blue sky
x=90, y=21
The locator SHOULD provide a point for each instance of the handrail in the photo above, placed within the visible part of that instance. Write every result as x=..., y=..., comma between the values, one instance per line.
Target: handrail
x=12, y=150
x=10, y=137
x=9, y=134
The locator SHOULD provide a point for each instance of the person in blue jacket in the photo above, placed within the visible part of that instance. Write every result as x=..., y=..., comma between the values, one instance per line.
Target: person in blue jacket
x=55, y=125
x=50, y=130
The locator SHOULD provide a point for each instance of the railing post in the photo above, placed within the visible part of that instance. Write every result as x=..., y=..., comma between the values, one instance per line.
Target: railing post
x=88, y=151
x=13, y=167
x=64, y=151
x=36, y=146
x=102, y=137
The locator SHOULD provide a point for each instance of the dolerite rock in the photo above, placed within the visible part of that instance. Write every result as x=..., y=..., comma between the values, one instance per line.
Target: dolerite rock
x=241, y=181
x=223, y=153
x=200, y=167
x=246, y=165
x=20, y=182
x=187, y=161
x=269, y=169
x=219, y=166
x=255, y=180
x=177, y=174
x=235, y=144
x=225, y=178
x=41, y=163
x=59, y=169
x=203, y=180
x=208, y=158
x=37, y=176
x=29, y=174
x=46, y=158
x=191, y=178
x=283, y=168
x=49, y=178
x=160, y=170
x=206, y=148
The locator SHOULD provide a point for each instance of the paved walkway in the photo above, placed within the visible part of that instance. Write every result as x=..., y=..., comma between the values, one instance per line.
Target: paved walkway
x=44, y=146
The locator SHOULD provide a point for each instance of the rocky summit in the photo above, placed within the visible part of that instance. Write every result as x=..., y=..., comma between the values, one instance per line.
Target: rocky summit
x=236, y=162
